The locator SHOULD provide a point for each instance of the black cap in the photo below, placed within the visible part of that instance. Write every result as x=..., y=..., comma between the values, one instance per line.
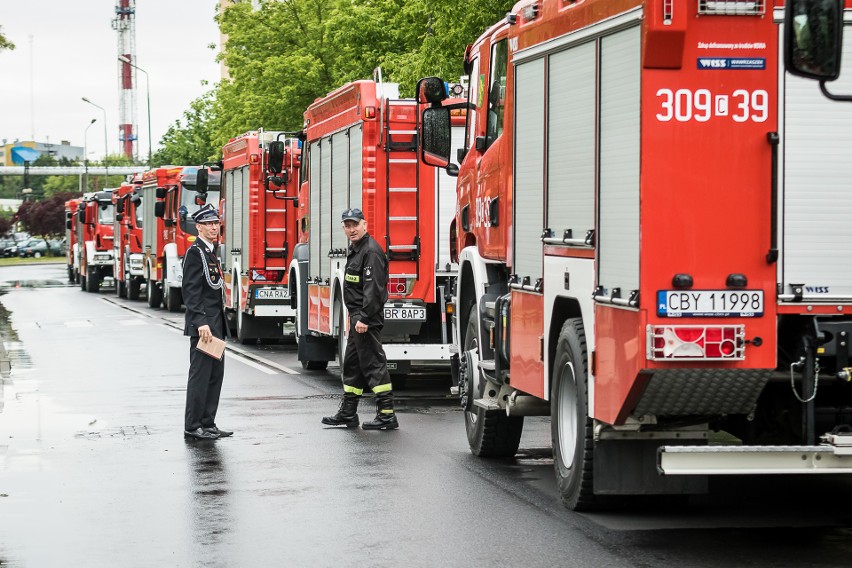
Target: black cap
x=352, y=215
x=206, y=214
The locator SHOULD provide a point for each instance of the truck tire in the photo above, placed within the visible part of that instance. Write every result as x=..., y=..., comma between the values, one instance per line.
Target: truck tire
x=133, y=285
x=72, y=279
x=153, y=294
x=244, y=328
x=81, y=280
x=490, y=433
x=93, y=280
x=172, y=298
x=571, y=428
x=120, y=288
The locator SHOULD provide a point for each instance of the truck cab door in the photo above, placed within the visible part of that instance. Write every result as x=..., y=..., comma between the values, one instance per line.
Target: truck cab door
x=491, y=164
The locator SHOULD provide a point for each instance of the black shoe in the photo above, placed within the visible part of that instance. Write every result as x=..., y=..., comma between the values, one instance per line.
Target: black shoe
x=218, y=432
x=347, y=415
x=200, y=434
x=340, y=419
x=382, y=422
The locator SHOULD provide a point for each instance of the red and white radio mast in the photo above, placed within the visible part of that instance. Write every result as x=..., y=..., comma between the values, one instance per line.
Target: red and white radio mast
x=125, y=24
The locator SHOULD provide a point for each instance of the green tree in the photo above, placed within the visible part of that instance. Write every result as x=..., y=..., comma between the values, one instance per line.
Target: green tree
x=287, y=53
x=5, y=43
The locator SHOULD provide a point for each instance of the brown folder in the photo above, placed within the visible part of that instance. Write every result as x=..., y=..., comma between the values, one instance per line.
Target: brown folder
x=215, y=347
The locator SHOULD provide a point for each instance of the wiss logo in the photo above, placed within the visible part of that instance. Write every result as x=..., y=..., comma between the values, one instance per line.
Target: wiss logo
x=706, y=63
x=816, y=289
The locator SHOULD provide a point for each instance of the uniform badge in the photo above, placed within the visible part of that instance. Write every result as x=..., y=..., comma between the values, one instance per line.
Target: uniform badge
x=368, y=272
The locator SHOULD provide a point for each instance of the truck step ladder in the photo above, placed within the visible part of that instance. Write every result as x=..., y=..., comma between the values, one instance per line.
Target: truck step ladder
x=403, y=196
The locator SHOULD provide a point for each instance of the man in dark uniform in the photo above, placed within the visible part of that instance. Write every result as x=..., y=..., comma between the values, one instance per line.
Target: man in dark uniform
x=205, y=318
x=364, y=364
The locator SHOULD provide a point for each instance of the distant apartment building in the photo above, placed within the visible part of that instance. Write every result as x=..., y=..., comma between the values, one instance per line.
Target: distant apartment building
x=17, y=152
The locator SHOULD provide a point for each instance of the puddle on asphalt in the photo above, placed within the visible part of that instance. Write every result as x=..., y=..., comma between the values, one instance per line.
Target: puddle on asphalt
x=14, y=348
x=9, y=285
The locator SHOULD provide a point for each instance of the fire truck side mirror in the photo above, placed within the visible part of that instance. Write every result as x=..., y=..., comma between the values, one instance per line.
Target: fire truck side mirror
x=119, y=207
x=119, y=217
x=161, y=192
x=275, y=158
x=435, y=150
x=68, y=224
x=813, y=32
x=202, y=181
x=159, y=209
x=431, y=90
x=81, y=214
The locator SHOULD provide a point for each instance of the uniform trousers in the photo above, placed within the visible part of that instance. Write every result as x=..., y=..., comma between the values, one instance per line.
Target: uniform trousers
x=202, y=388
x=364, y=364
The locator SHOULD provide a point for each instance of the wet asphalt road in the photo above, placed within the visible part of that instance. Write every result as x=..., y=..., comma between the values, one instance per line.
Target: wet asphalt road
x=94, y=469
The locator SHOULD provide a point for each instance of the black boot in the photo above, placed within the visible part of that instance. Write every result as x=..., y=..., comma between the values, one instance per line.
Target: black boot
x=385, y=416
x=347, y=414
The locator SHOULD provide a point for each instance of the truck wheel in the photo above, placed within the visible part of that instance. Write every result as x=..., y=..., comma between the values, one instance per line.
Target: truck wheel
x=171, y=297
x=93, y=280
x=244, y=326
x=490, y=433
x=154, y=294
x=120, y=288
x=571, y=429
x=133, y=284
x=71, y=278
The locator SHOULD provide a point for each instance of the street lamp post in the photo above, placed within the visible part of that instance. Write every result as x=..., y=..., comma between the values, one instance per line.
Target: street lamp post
x=125, y=59
x=86, y=155
x=106, y=139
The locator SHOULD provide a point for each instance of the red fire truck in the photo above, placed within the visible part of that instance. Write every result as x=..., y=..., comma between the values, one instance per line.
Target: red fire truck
x=360, y=152
x=72, y=251
x=94, y=222
x=169, y=198
x=261, y=185
x=127, y=230
x=653, y=245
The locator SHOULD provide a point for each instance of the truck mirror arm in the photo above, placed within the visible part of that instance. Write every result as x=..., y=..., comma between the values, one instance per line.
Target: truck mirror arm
x=832, y=96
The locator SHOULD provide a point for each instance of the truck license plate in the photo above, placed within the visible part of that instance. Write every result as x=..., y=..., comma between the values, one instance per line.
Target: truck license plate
x=271, y=294
x=710, y=303
x=406, y=313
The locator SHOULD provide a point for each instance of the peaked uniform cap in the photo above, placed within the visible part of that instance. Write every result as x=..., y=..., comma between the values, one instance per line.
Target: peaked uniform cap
x=206, y=214
x=352, y=215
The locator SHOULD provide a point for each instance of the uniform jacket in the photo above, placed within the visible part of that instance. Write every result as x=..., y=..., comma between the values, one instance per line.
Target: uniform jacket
x=202, y=291
x=365, y=288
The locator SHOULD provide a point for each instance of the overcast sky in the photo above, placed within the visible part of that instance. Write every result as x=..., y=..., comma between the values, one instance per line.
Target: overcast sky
x=74, y=54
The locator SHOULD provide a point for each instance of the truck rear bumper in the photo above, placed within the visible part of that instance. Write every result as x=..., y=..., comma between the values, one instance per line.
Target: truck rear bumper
x=426, y=352
x=754, y=460
x=274, y=311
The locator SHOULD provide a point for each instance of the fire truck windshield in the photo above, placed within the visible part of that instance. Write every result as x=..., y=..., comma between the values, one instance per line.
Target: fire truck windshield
x=189, y=205
x=105, y=214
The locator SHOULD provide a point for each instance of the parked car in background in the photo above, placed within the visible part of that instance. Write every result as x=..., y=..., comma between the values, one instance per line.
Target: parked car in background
x=8, y=247
x=33, y=247
x=61, y=246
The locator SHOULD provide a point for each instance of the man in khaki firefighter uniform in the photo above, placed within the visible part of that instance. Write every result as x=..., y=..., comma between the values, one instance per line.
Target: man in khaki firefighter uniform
x=364, y=364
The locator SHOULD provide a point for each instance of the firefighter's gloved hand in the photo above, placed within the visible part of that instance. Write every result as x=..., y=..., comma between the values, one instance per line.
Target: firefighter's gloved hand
x=204, y=333
x=361, y=327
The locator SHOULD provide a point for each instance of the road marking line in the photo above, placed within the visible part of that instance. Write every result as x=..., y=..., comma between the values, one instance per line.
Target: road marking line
x=251, y=363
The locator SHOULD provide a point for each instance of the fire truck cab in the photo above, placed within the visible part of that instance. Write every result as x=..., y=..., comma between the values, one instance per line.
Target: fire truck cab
x=652, y=246
x=127, y=231
x=95, y=218
x=169, y=198
x=72, y=251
